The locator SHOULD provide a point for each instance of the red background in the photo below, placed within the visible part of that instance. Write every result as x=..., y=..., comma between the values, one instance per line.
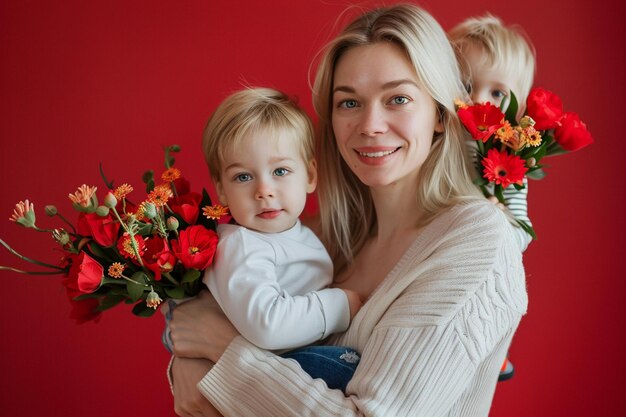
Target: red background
x=115, y=81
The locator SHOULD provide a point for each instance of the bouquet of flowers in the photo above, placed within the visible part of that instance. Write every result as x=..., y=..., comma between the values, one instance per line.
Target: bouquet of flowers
x=509, y=150
x=137, y=253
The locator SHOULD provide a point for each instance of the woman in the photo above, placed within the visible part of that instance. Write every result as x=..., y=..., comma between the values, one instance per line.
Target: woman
x=436, y=265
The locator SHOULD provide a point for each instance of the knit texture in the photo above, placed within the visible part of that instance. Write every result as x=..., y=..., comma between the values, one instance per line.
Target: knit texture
x=432, y=336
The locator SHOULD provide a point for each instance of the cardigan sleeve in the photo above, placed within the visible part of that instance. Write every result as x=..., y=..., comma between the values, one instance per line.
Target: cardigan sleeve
x=418, y=361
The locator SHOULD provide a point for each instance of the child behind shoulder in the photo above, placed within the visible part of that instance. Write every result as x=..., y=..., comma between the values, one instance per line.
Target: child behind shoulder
x=495, y=59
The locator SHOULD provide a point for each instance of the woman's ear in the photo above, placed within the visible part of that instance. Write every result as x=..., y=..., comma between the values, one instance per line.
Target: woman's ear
x=312, y=176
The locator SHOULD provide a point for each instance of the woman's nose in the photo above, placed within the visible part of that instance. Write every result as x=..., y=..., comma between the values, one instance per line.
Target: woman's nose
x=373, y=121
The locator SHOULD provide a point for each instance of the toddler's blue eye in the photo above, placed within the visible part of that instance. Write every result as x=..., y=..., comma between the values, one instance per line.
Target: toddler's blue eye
x=498, y=94
x=243, y=177
x=280, y=172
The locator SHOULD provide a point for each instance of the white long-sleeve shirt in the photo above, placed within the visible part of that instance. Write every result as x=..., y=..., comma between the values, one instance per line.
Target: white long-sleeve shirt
x=272, y=286
x=432, y=336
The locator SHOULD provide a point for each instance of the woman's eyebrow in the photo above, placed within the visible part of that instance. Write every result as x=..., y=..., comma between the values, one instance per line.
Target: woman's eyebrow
x=386, y=86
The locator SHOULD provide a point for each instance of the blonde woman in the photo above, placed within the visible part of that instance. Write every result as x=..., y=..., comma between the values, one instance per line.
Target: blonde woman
x=437, y=266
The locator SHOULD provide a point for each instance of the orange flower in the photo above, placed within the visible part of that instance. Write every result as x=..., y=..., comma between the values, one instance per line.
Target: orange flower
x=82, y=196
x=531, y=136
x=171, y=175
x=160, y=195
x=116, y=269
x=122, y=191
x=214, y=212
x=505, y=133
x=460, y=104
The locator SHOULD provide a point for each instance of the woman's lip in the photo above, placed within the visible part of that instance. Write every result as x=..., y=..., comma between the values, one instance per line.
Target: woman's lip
x=375, y=152
x=269, y=214
x=375, y=155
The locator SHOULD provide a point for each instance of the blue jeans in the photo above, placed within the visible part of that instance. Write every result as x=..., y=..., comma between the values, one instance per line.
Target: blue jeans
x=334, y=364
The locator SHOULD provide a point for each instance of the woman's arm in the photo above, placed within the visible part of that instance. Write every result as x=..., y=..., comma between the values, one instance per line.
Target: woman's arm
x=188, y=401
x=438, y=346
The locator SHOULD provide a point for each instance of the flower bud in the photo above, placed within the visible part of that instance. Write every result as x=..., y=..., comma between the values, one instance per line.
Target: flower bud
x=531, y=162
x=61, y=236
x=153, y=300
x=102, y=211
x=172, y=224
x=110, y=201
x=526, y=121
x=51, y=210
x=175, y=148
x=149, y=210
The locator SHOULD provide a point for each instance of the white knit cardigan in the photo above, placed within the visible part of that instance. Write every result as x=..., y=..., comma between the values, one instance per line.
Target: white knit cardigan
x=432, y=336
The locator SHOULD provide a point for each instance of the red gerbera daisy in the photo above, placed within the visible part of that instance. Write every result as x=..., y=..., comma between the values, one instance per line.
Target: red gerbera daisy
x=481, y=120
x=503, y=168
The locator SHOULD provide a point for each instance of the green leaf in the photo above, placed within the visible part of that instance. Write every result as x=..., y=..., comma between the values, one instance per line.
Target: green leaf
x=536, y=174
x=498, y=193
x=113, y=281
x=142, y=310
x=480, y=181
x=175, y=292
x=527, y=228
x=135, y=291
x=148, y=176
x=193, y=288
x=145, y=229
x=98, y=252
x=191, y=275
x=511, y=110
x=169, y=159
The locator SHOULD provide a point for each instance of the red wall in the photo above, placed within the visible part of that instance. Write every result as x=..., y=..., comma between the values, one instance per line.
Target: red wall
x=114, y=81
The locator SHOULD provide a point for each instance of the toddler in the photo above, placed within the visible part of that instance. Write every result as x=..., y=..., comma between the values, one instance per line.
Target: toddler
x=496, y=61
x=270, y=273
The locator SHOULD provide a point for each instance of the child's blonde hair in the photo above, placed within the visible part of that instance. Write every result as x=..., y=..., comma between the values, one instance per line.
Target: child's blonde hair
x=250, y=110
x=505, y=47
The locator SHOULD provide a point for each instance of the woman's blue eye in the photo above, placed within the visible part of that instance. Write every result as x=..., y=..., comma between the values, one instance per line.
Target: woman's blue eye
x=348, y=104
x=400, y=100
x=280, y=172
x=243, y=177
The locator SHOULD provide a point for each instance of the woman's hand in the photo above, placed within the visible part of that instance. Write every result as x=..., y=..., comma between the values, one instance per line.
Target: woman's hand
x=199, y=329
x=188, y=401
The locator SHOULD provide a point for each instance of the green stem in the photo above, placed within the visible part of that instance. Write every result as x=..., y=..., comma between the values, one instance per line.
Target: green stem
x=133, y=243
x=20, y=271
x=66, y=221
x=32, y=261
x=134, y=282
x=42, y=230
x=170, y=278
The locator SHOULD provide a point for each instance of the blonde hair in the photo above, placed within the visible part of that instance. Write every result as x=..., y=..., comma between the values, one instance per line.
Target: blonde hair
x=346, y=208
x=250, y=110
x=505, y=47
